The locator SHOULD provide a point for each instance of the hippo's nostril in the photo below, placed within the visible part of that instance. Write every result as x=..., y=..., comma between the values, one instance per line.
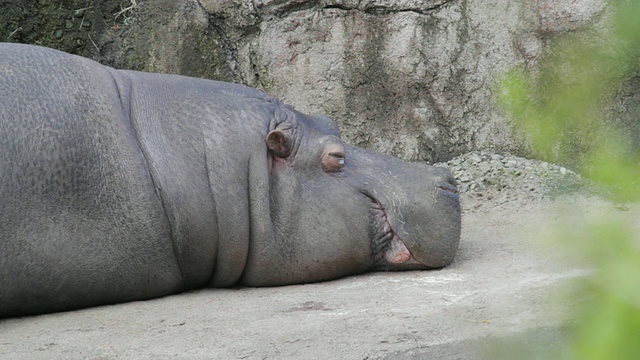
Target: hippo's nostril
x=448, y=187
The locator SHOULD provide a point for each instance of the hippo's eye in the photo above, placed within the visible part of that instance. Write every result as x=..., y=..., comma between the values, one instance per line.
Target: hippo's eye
x=333, y=161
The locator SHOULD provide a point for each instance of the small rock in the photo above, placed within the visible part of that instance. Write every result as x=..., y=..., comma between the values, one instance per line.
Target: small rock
x=475, y=158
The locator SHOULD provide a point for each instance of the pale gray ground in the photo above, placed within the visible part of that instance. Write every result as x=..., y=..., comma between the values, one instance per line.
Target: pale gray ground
x=502, y=284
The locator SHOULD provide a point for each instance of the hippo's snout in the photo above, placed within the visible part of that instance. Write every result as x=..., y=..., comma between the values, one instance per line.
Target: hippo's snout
x=419, y=226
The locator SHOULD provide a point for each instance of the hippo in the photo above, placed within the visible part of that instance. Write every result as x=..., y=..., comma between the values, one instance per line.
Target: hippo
x=120, y=185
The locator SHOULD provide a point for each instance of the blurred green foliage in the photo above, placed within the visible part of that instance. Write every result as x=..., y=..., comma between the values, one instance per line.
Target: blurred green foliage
x=561, y=107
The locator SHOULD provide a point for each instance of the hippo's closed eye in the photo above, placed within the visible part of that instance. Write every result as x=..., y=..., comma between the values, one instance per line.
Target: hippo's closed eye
x=333, y=159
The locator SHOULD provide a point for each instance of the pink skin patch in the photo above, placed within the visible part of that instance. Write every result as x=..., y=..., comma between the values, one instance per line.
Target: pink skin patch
x=397, y=253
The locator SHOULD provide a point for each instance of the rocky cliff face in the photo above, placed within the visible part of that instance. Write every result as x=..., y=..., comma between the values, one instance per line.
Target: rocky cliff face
x=413, y=78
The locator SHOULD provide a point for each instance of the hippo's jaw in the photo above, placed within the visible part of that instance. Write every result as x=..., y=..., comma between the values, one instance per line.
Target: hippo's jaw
x=390, y=251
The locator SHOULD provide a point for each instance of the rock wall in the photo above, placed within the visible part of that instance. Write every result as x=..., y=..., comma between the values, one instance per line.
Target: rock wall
x=70, y=25
x=413, y=78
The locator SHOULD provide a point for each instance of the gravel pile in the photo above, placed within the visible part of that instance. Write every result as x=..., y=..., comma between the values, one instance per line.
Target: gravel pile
x=487, y=179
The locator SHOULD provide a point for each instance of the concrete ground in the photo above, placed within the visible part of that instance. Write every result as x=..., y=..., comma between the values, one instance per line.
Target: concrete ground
x=503, y=285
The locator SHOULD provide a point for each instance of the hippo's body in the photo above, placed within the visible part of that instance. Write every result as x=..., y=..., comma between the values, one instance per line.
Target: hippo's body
x=120, y=185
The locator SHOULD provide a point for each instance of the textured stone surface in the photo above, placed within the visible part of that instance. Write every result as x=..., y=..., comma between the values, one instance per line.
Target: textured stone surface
x=492, y=180
x=407, y=80
x=410, y=78
x=69, y=25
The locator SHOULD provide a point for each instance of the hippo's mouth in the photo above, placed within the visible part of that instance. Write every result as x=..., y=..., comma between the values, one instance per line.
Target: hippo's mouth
x=386, y=243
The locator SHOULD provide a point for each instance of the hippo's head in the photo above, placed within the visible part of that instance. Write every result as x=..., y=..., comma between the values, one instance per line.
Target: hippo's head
x=336, y=209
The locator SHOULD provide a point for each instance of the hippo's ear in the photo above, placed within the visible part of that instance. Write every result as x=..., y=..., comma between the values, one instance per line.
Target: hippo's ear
x=279, y=142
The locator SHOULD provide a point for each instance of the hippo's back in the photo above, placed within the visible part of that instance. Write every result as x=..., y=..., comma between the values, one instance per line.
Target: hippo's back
x=80, y=222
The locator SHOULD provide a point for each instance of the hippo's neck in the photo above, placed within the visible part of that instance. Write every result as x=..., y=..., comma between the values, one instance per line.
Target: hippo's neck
x=203, y=142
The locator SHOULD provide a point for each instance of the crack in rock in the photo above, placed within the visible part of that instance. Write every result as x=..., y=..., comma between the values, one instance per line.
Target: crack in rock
x=279, y=7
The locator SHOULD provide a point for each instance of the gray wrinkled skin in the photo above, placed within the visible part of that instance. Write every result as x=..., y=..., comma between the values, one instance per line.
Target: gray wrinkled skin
x=119, y=186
